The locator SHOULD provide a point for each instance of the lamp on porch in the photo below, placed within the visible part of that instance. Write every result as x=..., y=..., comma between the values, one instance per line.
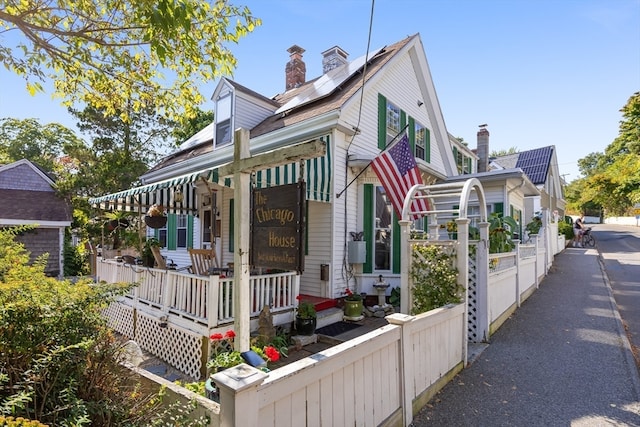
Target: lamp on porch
x=178, y=197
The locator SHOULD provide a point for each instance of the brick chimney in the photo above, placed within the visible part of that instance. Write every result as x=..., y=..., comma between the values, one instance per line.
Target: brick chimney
x=333, y=58
x=483, y=149
x=295, y=71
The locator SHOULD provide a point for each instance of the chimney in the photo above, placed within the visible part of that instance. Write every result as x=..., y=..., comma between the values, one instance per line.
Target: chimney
x=295, y=71
x=483, y=149
x=333, y=58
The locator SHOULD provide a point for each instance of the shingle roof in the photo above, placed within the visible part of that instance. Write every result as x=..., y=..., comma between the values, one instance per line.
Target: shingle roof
x=33, y=206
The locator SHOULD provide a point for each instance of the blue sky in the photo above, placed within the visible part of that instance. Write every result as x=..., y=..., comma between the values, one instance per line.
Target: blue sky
x=538, y=72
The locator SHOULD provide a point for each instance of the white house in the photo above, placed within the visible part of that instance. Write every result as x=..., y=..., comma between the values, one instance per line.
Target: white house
x=356, y=107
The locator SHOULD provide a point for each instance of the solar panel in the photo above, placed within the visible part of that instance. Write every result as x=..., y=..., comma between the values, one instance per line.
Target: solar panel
x=327, y=83
x=535, y=163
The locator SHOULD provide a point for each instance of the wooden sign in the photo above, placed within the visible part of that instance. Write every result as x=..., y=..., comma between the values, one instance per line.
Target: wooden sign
x=277, y=227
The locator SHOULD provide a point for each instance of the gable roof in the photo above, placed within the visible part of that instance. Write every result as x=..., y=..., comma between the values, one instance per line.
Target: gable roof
x=323, y=102
x=29, y=196
x=201, y=143
x=535, y=163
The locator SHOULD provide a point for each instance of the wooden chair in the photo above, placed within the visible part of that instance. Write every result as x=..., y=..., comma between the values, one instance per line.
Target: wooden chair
x=160, y=261
x=203, y=260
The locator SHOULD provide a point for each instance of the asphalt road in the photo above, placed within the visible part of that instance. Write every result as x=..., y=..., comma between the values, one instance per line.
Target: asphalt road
x=619, y=247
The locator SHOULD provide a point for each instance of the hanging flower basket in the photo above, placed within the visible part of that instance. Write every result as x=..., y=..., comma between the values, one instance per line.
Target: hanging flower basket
x=155, y=221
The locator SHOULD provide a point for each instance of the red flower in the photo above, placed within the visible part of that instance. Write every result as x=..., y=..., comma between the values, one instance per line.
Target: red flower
x=272, y=354
x=216, y=337
x=348, y=292
x=230, y=334
x=298, y=298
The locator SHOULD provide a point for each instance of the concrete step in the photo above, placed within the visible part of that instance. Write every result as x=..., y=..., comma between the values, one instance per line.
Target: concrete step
x=328, y=317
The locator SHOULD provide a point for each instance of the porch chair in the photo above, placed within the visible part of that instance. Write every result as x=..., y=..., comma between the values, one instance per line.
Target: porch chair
x=161, y=262
x=203, y=261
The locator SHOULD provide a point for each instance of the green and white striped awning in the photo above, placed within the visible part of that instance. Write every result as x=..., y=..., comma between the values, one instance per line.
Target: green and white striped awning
x=317, y=174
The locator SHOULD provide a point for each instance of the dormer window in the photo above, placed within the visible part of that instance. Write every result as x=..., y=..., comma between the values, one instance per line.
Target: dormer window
x=223, y=119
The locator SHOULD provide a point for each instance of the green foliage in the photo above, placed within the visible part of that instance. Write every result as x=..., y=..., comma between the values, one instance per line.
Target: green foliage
x=187, y=127
x=435, y=279
x=19, y=422
x=124, y=56
x=533, y=227
x=394, y=297
x=74, y=260
x=566, y=229
x=612, y=178
x=59, y=363
x=500, y=233
x=306, y=310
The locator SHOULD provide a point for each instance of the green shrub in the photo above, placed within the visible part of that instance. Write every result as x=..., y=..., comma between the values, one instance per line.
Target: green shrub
x=59, y=363
x=435, y=279
x=566, y=229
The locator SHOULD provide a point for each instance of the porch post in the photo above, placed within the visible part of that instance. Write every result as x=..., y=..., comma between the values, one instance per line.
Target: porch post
x=241, y=279
x=518, y=274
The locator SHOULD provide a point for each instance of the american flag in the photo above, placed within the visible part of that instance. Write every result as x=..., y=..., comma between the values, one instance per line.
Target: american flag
x=398, y=172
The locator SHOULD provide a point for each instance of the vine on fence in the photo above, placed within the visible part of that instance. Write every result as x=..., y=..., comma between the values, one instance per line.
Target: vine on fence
x=435, y=278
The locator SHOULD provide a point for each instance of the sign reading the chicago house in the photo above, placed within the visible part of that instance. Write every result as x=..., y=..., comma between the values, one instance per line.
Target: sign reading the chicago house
x=277, y=227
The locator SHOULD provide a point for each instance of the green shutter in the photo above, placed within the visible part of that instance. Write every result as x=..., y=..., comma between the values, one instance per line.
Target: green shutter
x=427, y=146
x=231, y=225
x=382, y=121
x=498, y=208
x=368, y=225
x=403, y=119
x=412, y=135
x=172, y=225
x=190, y=231
x=395, y=237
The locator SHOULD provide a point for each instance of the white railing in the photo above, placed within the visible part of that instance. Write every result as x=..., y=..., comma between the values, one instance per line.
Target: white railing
x=204, y=300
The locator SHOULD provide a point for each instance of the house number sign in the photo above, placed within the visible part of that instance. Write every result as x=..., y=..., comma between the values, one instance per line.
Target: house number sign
x=277, y=227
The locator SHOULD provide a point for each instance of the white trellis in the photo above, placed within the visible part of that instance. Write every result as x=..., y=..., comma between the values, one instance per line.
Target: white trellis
x=459, y=192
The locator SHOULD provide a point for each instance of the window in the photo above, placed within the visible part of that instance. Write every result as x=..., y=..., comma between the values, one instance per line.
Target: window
x=421, y=141
x=383, y=215
x=393, y=121
x=181, y=231
x=223, y=119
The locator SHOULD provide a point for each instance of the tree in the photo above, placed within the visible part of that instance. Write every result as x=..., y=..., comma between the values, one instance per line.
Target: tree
x=500, y=153
x=44, y=145
x=612, y=178
x=187, y=127
x=114, y=54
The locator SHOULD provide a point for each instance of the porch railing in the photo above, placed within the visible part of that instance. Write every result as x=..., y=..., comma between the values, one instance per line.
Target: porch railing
x=205, y=302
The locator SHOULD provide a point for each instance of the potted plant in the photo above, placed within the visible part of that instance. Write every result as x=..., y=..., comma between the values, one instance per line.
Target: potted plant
x=352, y=305
x=223, y=356
x=147, y=254
x=306, y=317
x=156, y=217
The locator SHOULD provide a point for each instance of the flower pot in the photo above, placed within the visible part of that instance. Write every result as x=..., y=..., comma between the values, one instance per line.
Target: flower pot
x=306, y=326
x=353, y=308
x=155, y=221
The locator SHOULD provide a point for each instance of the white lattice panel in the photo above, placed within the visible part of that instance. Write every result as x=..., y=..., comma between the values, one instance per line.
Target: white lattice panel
x=472, y=304
x=120, y=318
x=178, y=347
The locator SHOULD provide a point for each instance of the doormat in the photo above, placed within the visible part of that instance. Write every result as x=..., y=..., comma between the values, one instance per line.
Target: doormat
x=336, y=328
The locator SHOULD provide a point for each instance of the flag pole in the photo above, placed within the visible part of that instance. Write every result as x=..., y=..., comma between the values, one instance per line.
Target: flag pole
x=369, y=164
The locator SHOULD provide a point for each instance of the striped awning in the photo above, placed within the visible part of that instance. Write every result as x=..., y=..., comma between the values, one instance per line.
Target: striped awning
x=316, y=172
x=139, y=199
